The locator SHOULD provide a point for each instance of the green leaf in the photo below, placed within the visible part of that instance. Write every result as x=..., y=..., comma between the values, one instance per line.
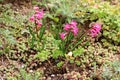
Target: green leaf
x=12, y=78
x=105, y=33
x=43, y=55
x=42, y=30
x=78, y=52
x=57, y=53
x=56, y=19
x=60, y=64
x=71, y=61
x=77, y=62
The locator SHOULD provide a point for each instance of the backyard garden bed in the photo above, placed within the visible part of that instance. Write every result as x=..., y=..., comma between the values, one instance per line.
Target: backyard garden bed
x=59, y=40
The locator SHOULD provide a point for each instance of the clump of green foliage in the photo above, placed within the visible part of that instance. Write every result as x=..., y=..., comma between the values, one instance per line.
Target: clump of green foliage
x=24, y=75
x=111, y=70
x=104, y=12
x=7, y=41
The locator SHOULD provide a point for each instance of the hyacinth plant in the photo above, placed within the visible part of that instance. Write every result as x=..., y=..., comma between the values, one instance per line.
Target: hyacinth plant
x=39, y=29
x=96, y=27
x=71, y=37
x=70, y=32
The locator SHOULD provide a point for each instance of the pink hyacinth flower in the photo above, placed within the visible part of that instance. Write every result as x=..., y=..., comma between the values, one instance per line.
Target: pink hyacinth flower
x=38, y=23
x=32, y=18
x=72, y=27
x=36, y=8
x=73, y=23
x=39, y=15
x=75, y=31
x=95, y=29
x=93, y=33
x=67, y=27
x=62, y=35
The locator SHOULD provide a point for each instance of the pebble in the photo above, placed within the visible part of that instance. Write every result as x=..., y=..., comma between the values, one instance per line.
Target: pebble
x=31, y=71
x=52, y=75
